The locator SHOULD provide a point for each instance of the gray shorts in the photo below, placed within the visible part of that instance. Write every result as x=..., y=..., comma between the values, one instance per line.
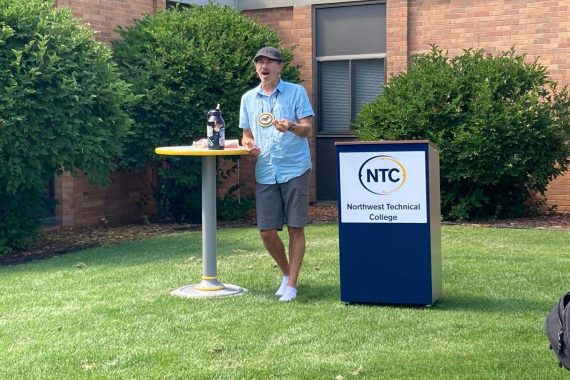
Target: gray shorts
x=283, y=203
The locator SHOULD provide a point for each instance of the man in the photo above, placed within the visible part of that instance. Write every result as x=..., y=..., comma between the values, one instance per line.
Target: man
x=276, y=118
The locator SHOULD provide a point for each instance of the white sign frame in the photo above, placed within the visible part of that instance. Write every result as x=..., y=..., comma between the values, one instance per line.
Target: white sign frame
x=383, y=187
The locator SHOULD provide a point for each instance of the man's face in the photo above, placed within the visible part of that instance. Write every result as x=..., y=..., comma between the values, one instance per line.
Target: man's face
x=267, y=69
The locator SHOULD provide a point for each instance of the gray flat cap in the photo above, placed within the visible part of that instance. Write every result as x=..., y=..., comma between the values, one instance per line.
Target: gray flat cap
x=268, y=52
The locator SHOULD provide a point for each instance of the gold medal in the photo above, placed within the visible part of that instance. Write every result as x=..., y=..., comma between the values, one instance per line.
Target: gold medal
x=265, y=119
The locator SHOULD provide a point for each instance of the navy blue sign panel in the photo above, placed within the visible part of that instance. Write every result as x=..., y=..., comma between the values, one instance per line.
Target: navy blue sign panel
x=389, y=222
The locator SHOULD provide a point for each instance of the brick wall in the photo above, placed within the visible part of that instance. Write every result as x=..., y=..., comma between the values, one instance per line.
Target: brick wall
x=396, y=36
x=127, y=199
x=558, y=193
x=106, y=15
x=538, y=28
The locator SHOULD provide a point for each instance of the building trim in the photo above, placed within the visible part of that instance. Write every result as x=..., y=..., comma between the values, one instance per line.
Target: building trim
x=350, y=57
x=231, y=3
x=244, y=5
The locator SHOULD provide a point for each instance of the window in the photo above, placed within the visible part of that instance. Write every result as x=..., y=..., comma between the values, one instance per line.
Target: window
x=350, y=55
x=345, y=86
x=173, y=4
x=186, y=3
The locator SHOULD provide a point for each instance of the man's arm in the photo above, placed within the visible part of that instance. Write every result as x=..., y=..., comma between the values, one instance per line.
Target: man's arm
x=302, y=129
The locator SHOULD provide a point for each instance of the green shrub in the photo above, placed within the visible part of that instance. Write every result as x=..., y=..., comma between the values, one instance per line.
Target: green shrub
x=19, y=219
x=501, y=124
x=233, y=206
x=181, y=63
x=60, y=109
x=230, y=208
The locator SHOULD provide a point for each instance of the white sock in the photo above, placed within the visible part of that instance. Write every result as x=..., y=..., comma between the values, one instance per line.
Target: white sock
x=289, y=295
x=282, y=287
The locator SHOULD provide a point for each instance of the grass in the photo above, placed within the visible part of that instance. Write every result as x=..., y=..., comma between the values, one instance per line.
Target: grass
x=106, y=313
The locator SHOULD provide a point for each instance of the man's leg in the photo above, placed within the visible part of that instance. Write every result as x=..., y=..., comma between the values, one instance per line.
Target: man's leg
x=296, y=203
x=276, y=249
x=269, y=221
x=296, y=253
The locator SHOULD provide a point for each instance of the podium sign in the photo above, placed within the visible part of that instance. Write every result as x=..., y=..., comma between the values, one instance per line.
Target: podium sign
x=389, y=222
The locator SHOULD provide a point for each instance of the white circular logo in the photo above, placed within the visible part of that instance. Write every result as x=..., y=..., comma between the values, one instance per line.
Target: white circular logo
x=382, y=174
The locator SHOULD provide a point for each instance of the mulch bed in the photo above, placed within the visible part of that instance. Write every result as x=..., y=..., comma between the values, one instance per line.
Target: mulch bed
x=64, y=240
x=554, y=222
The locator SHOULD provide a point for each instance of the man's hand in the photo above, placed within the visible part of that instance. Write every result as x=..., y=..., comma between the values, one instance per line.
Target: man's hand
x=249, y=144
x=283, y=125
x=252, y=149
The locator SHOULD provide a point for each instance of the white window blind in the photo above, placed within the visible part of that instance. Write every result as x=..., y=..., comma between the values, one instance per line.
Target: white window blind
x=368, y=82
x=344, y=87
x=335, y=96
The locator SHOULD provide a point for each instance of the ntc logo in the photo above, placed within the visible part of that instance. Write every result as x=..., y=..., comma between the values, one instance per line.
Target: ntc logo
x=382, y=175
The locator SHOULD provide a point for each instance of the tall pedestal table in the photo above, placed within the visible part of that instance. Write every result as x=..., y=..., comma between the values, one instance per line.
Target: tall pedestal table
x=209, y=286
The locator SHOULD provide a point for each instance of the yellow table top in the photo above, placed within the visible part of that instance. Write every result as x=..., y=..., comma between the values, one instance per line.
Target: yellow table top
x=192, y=151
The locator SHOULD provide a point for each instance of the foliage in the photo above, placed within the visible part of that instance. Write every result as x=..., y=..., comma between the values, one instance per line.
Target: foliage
x=60, y=109
x=501, y=124
x=19, y=218
x=178, y=192
x=181, y=63
x=230, y=208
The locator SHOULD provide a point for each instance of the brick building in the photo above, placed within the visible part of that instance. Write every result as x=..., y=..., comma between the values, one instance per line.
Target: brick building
x=359, y=44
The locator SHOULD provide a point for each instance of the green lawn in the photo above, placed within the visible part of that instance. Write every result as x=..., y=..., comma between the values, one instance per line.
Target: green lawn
x=106, y=313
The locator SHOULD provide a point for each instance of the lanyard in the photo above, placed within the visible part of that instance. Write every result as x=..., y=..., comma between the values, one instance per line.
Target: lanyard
x=265, y=119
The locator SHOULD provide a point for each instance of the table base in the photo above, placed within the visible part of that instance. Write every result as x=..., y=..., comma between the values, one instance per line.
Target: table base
x=191, y=291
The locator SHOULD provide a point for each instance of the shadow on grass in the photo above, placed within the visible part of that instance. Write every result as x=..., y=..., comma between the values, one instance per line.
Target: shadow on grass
x=177, y=248
x=311, y=293
x=489, y=304
x=466, y=303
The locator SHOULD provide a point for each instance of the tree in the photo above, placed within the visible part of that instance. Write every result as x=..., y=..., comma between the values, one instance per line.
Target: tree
x=181, y=63
x=61, y=109
x=501, y=124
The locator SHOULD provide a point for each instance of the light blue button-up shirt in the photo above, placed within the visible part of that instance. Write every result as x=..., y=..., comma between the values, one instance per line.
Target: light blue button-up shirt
x=283, y=156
